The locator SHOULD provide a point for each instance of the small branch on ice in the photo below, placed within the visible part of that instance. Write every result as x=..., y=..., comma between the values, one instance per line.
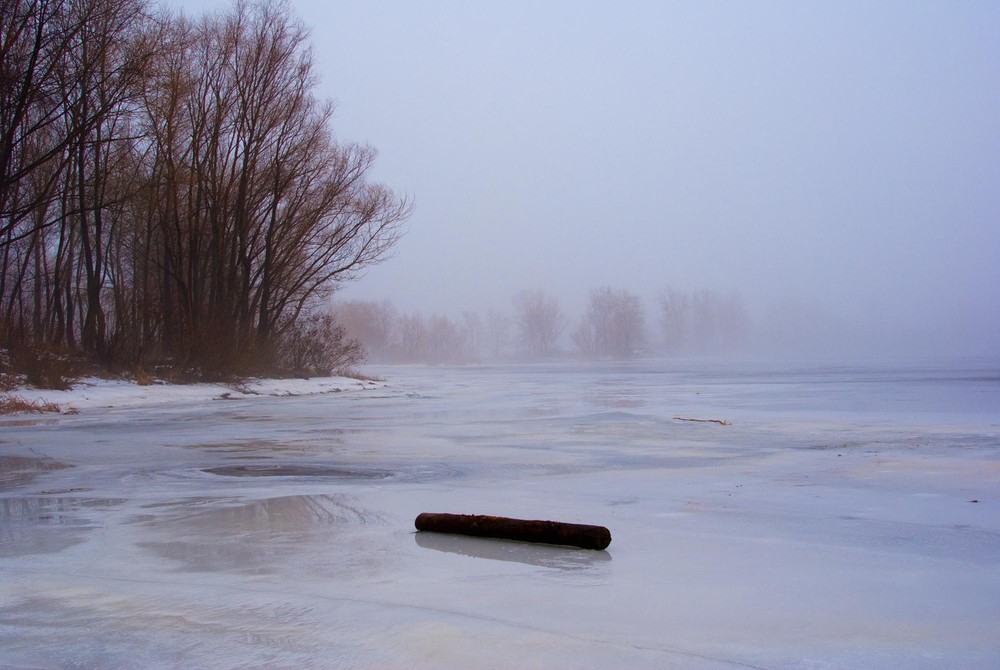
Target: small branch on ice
x=718, y=421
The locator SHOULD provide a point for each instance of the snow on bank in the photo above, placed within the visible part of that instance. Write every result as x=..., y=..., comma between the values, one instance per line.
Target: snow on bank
x=93, y=392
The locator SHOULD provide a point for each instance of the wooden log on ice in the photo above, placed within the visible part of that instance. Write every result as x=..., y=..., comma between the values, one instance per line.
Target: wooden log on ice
x=525, y=530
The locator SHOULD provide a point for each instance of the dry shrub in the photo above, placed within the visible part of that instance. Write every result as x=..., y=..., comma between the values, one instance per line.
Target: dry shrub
x=352, y=373
x=175, y=374
x=9, y=382
x=9, y=379
x=315, y=344
x=46, y=368
x=15, y=404
x=142, y=378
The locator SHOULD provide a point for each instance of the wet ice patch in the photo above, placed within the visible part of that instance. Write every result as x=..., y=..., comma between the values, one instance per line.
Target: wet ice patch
x=21, y=470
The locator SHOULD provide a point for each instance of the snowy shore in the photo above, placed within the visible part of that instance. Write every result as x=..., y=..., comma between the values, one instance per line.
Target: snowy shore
x=93, y=392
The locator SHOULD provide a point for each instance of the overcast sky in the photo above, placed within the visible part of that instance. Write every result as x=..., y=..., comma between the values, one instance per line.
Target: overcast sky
x=839, y=159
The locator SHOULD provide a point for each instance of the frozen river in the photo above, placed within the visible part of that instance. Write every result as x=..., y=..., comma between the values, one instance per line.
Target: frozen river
x=849, y=517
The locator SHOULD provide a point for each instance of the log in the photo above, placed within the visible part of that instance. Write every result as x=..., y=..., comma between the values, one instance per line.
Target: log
x=524, y=530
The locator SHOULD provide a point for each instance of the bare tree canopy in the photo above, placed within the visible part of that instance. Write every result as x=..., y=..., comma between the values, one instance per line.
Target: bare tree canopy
x=612, y=326
x=540, y=321
x=702, y=321
x=171, y=189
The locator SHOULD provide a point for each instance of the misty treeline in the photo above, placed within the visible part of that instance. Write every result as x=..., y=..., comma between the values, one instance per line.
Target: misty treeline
x=171, y=190
x=613, y=325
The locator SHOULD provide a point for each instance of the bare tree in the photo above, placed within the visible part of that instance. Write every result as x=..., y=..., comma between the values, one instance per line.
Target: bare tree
x=540, y=322
x=447, y=342
x=413, y=337
x=612, y=325
x=108, y=63
x=70, y=70
x=36, y=39
x=472, y=333
x=172, y=188
x=702, y=321
x=260, y=212
x=705, y=313
x=371, y=323
x=497, y=333
x=734, y=322
x=674, y=319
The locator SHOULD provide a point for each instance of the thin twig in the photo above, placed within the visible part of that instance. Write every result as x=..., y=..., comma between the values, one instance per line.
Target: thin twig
x=718, y=421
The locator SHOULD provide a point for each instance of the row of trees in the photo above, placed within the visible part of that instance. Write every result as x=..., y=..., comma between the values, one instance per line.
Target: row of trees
x=171, y=189
x=613, y=325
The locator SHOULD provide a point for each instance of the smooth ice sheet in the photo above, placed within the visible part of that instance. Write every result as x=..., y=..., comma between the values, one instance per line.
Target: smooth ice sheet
x=848, y=517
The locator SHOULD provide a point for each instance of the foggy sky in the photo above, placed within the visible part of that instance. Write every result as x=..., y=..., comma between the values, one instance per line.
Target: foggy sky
x=838, y=163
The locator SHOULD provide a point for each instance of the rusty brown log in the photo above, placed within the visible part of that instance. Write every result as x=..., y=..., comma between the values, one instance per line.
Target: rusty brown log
x=524, y=530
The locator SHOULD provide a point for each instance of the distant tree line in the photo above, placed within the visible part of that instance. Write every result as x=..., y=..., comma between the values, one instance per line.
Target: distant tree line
x=612, y=326
x=702, y=321
x=171, y=189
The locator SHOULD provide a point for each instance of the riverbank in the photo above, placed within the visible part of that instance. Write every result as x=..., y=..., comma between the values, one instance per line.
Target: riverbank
x=95, y=393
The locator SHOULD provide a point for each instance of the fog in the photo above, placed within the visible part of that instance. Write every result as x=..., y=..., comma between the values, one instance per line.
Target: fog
x=836, y=163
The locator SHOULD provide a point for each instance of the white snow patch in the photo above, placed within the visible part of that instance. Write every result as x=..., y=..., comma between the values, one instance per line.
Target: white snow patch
x=94, y=392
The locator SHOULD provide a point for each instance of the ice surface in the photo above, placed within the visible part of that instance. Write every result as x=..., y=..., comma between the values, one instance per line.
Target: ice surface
x=849, y=517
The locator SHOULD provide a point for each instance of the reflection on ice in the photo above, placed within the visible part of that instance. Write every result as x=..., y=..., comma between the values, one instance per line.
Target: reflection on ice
x=33, y=421
x=273, y=515
x=249, y=536
x=543, y=555
x=20, y=470
x=42, y=524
